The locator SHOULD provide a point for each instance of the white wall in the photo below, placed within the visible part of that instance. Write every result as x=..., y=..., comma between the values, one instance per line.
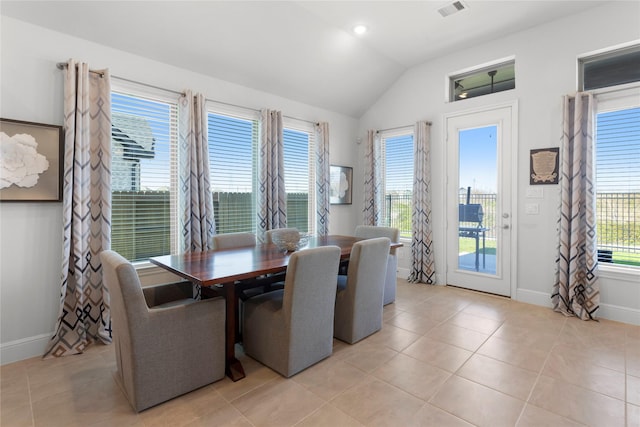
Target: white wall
x=545, y=70
x=31, y=237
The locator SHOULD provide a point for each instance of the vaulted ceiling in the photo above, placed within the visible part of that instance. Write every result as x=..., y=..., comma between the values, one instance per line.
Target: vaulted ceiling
x=302, y=50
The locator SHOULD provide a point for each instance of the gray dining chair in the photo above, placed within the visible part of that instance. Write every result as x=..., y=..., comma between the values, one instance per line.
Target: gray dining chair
x=359, y=298
x=167, y=344
x=291, y=329
x=390, y=283
x=233, y=240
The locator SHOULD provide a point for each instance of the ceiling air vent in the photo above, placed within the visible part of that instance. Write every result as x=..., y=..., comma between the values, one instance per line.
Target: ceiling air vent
x=452, y=8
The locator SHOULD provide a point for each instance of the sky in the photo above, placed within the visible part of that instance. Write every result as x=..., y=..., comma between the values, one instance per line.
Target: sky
x=478, y=159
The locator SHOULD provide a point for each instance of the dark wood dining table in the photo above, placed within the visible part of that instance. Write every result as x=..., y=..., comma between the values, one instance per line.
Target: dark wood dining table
x=230, y=270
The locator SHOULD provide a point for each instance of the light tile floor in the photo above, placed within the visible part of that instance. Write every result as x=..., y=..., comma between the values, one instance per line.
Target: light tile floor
x=445, y=357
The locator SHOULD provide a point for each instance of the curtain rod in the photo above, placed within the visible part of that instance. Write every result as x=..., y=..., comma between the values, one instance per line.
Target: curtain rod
x=63, y=65
x=398, y=127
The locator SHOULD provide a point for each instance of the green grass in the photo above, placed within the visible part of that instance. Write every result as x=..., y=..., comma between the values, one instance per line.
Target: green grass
x=468, y=245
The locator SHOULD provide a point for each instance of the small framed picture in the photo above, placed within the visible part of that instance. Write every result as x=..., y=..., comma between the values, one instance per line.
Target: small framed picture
x=31, y=161
x=544, y=166
x=341, y=179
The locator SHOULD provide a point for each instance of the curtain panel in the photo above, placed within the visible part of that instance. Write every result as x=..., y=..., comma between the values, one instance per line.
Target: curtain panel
x=422, y=259
x=576, y=291
x=272, y=196
x=372, y=180
x=84, y=313
x=197, y=222
x=322, y=178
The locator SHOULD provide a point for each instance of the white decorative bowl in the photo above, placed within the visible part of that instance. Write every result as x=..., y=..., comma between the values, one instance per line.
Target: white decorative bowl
x=289, y=241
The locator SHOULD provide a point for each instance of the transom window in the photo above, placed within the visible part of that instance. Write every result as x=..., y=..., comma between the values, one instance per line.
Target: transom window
x=482, y=80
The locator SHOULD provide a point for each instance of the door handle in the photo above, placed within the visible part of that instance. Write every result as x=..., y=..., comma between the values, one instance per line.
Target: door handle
x=506, y=226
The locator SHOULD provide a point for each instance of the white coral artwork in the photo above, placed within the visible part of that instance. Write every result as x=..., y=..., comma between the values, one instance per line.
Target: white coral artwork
x=343, y=186
x=20, y=162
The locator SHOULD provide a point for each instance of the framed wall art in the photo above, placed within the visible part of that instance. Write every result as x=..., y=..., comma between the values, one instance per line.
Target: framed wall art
x=341, y=179
x=31, y=161
x=544, y=166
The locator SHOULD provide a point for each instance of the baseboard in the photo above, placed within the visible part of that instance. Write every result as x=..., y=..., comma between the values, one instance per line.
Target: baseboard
x=402, y=273
x=25, y=348
x=606, y=311
x=533, y=297
x=619, y=314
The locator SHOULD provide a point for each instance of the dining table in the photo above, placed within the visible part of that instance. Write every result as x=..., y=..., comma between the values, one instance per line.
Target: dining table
x=226, y=272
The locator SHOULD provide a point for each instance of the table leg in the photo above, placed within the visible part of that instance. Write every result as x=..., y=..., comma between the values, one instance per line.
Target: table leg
x=234, y=369
x=477, y=252
x=484, y=252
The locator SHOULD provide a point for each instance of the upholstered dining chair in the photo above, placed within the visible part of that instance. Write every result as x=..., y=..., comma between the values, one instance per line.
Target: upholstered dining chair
x=268, y=235
x=167, y=344
x=390, y=283
x=233, y=240
x=291, y=329
x=359, y=298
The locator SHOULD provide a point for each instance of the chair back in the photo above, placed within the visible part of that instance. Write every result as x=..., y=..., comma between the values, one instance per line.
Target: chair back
x=359, y=305
x=128, y=309
x=233, y=240
x=268, y=235
x=128, y=304
x=373, y=231
x=310, y=290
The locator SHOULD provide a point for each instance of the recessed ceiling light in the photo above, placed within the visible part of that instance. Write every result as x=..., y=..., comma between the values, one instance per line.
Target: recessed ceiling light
x=360, y=29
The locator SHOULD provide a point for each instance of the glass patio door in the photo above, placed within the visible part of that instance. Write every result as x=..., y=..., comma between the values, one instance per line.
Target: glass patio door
x=480, y=181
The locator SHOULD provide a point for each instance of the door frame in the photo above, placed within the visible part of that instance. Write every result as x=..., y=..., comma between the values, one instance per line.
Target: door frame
x=513, y=258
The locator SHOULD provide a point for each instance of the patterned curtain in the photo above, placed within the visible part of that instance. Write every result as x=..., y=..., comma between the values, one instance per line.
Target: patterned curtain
x=576, y=291
x=197, y=223
x=84, y=313
x=272, y=197
x=422, y=260
x=372, y=180
x=322, y=178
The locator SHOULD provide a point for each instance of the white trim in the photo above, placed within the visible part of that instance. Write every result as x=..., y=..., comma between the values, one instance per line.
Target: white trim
x=24, y=348
x=608, y=49
x=619, y=314
x=606, y=311
x=235, y=111
x=619, y=272
x=534, y=297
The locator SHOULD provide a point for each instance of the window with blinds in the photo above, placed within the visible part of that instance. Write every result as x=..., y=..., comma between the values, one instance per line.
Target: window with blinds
x=233, y=143
x=143, y=172
x=618, y=185
x=397, y=152
x=298, y=178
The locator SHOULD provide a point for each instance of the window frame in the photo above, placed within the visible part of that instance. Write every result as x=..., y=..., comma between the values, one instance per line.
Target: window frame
x=604, y=54
x=609, y=99
x=251, y=115
x=384, y=135
x=297, y=125
x=452, y=78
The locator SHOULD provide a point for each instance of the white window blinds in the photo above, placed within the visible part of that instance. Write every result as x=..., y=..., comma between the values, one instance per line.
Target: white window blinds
x=144, y=141
x=298, y=178
x=618, y=185
x=233, y=159
x=397, y=151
